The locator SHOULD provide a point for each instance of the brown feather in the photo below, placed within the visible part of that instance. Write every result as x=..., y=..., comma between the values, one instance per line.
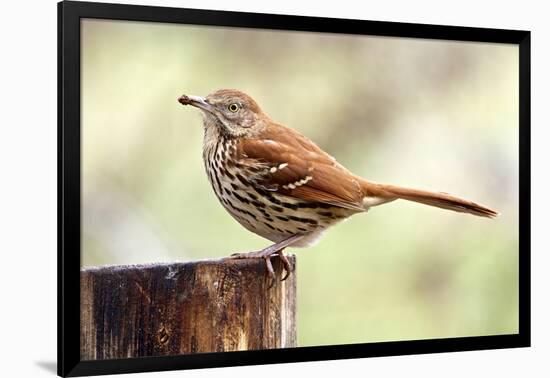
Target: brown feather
x=442, y=200
x=326, y=181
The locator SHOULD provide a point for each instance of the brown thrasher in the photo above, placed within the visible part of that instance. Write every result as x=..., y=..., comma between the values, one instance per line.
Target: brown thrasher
x=280, y=185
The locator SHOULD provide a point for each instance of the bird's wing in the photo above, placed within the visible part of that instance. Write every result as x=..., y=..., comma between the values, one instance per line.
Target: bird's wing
x=298, y=168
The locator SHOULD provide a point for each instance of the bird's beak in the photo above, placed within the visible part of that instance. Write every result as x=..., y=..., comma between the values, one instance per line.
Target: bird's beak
x=196, y=101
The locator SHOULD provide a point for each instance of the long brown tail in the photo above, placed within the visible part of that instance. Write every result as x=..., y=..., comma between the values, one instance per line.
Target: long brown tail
x=379, y=193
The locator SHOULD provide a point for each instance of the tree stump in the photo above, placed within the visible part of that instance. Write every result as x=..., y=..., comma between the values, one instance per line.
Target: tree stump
x=179, y=308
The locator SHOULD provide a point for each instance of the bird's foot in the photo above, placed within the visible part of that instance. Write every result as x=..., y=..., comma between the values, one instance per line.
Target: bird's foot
x=266, y=254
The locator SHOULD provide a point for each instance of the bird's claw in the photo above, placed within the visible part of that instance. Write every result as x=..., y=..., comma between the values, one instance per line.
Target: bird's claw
x=287, y=266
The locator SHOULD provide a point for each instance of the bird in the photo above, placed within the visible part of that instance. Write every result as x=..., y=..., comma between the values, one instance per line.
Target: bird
x=280, y=185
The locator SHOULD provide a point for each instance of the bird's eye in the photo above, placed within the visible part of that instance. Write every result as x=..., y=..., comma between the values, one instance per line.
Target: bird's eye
x=233, y=108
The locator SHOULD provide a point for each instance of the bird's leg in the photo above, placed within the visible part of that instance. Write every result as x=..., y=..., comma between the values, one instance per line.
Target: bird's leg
x=268, y=252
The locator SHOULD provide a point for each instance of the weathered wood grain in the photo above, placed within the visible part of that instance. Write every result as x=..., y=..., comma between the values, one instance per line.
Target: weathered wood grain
x=178, y=308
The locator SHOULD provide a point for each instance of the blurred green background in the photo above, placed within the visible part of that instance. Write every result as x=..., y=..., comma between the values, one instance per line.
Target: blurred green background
x=429, y=114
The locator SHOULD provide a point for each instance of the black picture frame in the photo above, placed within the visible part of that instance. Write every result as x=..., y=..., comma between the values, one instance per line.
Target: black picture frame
x=69, y=211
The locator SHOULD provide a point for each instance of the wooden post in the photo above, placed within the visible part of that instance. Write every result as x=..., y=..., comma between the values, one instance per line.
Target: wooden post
x=178, y=308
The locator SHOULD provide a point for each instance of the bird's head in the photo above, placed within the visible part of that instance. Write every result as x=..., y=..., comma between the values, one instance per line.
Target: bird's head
x=235, y=113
